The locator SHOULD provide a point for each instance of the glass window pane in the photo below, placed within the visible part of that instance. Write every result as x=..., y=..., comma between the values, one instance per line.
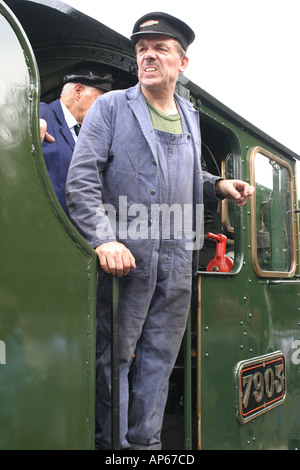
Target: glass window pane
x=273, y=216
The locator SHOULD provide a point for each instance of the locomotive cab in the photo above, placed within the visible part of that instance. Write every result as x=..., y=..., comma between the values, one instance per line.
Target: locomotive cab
x=229, y=386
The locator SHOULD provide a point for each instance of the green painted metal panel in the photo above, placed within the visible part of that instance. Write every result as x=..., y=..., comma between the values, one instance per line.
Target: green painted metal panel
x=47, y=278
x=244, y=316
x=255, y=319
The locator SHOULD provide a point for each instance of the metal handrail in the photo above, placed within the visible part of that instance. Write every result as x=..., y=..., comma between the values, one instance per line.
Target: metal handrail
x=115, y=367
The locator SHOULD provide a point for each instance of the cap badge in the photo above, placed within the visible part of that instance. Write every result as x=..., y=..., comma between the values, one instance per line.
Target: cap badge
x=149, y=23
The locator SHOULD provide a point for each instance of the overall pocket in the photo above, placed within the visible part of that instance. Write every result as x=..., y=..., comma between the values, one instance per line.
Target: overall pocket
x=182, y=256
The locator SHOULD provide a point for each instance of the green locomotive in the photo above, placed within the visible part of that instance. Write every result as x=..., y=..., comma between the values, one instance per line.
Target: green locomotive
x=236, y=383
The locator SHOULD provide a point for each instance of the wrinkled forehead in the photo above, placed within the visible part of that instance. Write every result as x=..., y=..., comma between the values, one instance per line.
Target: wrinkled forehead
x=154, y=39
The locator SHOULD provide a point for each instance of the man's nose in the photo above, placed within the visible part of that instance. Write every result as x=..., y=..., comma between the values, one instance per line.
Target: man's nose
x=150, y=54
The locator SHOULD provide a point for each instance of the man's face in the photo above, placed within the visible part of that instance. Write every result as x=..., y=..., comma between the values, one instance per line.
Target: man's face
x=88, y=97
x=159, y=62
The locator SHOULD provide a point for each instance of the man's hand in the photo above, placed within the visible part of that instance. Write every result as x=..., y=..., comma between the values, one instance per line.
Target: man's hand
x=44, y=134
x=115, y=258
x=235, y=189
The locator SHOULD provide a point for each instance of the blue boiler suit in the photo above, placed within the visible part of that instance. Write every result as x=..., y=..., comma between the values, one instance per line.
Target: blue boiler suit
x=118, y=153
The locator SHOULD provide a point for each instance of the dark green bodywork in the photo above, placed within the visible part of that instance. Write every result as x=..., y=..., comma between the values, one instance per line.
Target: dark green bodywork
x=48, y=272
x=47, y=284
x=243, y=316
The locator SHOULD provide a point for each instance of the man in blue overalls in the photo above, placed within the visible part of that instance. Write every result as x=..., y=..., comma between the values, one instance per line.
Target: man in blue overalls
x=139, y=149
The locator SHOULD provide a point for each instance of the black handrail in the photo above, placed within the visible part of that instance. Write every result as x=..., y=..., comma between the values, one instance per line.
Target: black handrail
x=115, y=367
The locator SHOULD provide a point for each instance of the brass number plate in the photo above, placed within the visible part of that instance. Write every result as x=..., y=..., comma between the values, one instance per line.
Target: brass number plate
x=260, y=384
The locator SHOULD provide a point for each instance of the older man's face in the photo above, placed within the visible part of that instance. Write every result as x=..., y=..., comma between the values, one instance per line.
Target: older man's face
x=89, y=95
x=159, y=62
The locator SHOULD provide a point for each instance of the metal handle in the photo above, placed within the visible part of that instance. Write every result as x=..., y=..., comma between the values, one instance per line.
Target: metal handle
x=115, y=366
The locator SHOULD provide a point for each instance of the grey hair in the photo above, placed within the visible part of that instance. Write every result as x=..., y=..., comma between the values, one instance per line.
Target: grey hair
x=68, y=87
x=180, y=50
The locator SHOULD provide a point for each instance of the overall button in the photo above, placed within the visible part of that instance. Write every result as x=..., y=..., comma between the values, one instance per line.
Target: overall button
x=154, y=162
x=152, y=192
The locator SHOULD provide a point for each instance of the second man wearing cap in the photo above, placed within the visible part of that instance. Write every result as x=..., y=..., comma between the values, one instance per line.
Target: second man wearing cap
x=64, y=117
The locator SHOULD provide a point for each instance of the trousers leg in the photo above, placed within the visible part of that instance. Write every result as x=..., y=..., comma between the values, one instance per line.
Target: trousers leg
x=156, y=353
x=135, y=296
x=153, y=313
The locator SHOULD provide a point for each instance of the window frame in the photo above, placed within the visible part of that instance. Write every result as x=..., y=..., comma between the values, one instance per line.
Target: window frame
x=259, y=271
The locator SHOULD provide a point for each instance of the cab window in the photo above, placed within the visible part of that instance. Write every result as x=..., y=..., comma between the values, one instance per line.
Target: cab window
x=273, y=230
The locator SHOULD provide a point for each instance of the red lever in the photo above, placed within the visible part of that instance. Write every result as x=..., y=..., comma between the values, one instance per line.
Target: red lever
x=221, y=262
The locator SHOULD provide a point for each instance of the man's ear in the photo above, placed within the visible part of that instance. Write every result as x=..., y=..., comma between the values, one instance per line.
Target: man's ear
x=184, y=64
x=78, y=89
